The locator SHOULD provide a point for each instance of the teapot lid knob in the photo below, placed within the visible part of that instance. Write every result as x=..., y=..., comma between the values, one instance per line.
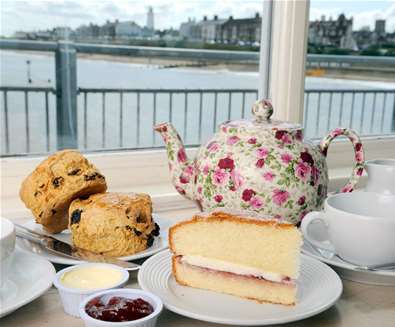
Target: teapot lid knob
x=262, y=110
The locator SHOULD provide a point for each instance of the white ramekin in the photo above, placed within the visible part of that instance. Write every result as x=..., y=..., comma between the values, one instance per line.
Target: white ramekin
x=72, y=297
x=148, y=321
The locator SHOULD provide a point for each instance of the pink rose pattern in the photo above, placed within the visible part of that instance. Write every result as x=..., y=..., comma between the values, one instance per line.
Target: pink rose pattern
x=280, y=197
x=286, y=158
x=268, y=176
x=262, y=153
x=285, y=177
x=220, y=176
x=303, y=171
x=232, y=140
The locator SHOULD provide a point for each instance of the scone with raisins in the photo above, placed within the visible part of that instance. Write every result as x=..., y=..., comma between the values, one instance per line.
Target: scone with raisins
x=58, y=180
x=113, y=224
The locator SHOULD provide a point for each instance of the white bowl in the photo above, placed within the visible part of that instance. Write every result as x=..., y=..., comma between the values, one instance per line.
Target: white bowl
x=7, y=246
x=148, y=321
x=72, y=297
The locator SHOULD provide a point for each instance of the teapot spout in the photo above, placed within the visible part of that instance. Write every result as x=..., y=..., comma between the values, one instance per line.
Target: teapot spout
x=182, y=170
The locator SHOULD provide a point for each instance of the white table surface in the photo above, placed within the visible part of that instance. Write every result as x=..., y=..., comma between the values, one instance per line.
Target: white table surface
x=360, y=305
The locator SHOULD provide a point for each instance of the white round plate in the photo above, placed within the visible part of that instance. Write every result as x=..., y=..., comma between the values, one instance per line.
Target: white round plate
x=318, y=288
x=350, y=271
x=29, y=277
x=160, y=243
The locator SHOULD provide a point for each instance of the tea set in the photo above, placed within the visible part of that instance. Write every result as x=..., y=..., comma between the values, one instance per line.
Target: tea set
x=265, y=166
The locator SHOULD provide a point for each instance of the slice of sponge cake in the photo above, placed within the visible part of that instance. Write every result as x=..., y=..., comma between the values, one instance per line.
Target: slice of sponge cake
x=234, y=254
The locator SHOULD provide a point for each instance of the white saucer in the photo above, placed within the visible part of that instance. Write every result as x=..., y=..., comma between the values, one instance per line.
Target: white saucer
x=29, y=277
x=160, y=243
x=349, y=271
x=319, y=287
x=345, y=269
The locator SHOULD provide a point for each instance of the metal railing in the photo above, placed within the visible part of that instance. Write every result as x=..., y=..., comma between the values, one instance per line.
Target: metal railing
x=21, y=112
x=187, y=109
x=369, y=111
x=114, y=119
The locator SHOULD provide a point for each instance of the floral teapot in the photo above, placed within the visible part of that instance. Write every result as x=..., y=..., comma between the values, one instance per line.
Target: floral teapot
x=259, y=165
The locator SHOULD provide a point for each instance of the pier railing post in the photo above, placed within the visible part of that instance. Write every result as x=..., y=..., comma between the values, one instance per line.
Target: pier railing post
x=66, y=95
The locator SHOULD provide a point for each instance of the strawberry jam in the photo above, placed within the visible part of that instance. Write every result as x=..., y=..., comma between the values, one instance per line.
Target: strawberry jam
x=118, y=309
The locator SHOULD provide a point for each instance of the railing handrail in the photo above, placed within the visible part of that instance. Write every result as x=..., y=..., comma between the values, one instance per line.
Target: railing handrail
x=182, y=53
x=349, y=90
x=162, y=90
x=178, y=90
x=27, y=89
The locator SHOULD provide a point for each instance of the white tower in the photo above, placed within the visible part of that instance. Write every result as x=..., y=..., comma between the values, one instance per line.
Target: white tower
x=150, y=18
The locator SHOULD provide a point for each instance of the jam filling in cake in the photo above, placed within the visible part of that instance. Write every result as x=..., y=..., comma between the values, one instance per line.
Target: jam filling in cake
x=228, y=269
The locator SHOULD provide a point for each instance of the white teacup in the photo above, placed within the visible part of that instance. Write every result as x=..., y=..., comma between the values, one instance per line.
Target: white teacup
x=360, y=225
x=381, y=176
x=7, y=246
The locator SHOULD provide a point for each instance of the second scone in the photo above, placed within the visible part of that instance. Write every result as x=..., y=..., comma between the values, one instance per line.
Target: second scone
x=113, y=224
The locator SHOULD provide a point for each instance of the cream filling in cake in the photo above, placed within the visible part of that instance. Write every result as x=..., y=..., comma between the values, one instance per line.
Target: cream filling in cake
x=234, y=268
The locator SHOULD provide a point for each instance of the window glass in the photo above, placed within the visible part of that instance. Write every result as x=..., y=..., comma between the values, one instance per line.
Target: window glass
x=350, y=68
x=97, y=75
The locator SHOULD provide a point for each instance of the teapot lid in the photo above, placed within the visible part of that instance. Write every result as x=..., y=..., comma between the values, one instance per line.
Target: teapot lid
x=262, y=111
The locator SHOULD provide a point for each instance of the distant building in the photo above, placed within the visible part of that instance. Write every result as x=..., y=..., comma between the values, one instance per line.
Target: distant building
x=336, y=33
x=150, y=19
x=170, y=35
x=365, y=37
x=211, y=29
x=127, y=30
x=21, y=35
x=48, y=35
x=186, y=28
x=191, y=30
x=245, y=30
x=91, y=31
x=107, y=30
x=62, y=33
x=379, y=27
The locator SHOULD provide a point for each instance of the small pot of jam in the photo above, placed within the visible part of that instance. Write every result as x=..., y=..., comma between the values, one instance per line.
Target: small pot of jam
x=118, y=309
x=112, y=307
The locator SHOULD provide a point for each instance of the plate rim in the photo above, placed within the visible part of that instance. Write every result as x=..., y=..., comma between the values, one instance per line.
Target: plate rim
x=206, y=318
x=67, y=261
x=40, y=261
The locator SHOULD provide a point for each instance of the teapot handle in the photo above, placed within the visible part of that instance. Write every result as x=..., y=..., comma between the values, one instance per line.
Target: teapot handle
x=358, y=150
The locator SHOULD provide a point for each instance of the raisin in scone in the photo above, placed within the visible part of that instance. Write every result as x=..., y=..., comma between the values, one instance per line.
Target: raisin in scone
x=113, y=224
x=58, y=180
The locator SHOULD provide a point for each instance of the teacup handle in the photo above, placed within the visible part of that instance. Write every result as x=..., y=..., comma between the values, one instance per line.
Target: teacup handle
x=358, y=154
x=306, y=221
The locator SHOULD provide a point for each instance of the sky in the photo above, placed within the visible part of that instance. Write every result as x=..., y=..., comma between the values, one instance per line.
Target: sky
x=33, y=15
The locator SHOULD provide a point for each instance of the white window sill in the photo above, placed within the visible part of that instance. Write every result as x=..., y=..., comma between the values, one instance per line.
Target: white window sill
x=163, y=195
